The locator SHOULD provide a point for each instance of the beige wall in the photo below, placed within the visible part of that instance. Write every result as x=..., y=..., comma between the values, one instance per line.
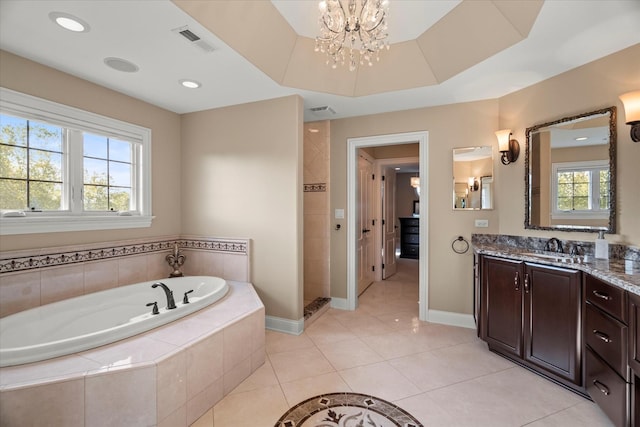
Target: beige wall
x=242, y=177
x=590, y=87
x=28, y=77
x=450, y=126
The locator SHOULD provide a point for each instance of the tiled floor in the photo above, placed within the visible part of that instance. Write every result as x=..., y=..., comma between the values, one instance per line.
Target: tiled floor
x=442, y=375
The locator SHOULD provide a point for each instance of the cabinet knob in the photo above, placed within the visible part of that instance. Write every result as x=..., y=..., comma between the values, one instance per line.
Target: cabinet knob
x=526, y=283
x=604, y=337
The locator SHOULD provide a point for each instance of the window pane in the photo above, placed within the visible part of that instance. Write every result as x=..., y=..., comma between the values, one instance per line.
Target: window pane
x=44, y=136
x=13, y=130
x=45, y=165
x=581, y=190
x=120, y=174
x=46, y=196
x=581, y=203
x=95, y=146
x=13, y=194
x=564, y=203
x=96, y=198
x=95, y=171
x=120, y=199
x=13, y=162
x=119, y=150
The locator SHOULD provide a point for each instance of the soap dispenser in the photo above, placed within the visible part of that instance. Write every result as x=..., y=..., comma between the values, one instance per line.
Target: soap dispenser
x=602, y=246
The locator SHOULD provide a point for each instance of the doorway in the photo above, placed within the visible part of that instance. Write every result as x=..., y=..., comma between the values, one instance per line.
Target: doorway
x=353, y=146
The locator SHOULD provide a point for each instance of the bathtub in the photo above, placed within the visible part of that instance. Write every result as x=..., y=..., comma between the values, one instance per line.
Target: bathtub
x=100, y=318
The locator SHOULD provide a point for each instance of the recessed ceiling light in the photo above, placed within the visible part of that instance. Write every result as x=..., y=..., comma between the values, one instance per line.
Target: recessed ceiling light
x=314, y=130
x=397, y=169
x=69, y=22
x=581, y=138
x=191, y=84
x=121, y=65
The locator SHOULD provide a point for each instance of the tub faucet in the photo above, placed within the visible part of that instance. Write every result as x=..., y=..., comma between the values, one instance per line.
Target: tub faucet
x=171, y=304
x=556, y=243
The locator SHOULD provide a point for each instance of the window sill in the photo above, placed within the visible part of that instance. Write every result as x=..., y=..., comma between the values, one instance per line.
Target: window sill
x=54, y=224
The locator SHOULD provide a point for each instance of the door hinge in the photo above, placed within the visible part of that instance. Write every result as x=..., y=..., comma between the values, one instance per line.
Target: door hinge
x=382, y=178
x=383, y=222
x=373, y=222
x=373, y=268
x=383, y=265
x=373, y=176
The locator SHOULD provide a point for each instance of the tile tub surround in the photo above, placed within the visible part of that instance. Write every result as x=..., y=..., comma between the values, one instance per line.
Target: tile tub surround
x=168, y=376
x=36, y=277
x=623, y=272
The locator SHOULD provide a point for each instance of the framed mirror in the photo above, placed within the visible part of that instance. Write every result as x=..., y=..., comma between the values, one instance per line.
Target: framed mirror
x=473, y=178
x=570, y=173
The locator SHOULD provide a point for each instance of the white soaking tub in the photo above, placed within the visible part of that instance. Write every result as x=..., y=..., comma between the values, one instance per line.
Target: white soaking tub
x=92, y=320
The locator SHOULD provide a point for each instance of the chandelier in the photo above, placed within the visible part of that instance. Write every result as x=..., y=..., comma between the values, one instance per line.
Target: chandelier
x=360, y=31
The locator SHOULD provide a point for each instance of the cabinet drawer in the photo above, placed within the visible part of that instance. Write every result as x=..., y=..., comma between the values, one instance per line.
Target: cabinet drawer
x=607, y=337
x=410, y=222
x=607, y=297
x=411, y=250
x=607, y=389
x=411, y=230
x=411, y=238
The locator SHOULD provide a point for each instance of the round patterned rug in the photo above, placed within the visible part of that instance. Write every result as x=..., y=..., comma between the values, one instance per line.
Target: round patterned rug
x=346, y=410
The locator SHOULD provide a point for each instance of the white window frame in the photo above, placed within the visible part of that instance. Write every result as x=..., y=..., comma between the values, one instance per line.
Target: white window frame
x=595, y=213
x=33, y=108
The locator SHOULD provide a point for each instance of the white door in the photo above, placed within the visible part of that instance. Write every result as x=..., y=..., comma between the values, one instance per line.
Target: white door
x=364, y=235
x=389, y=223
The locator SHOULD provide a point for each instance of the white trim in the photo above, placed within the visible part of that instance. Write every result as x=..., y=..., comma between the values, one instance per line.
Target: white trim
x=54, y=224
x=451, y=318
x=287, y=326
x=353, y=144
x=339, y=303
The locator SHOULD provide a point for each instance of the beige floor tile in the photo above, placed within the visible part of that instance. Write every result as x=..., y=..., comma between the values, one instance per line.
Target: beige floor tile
x=512, y=397
x=264, y=376
x=205, y=421
x=349, y=354
x=298, y=364
x=300, y=390
x=584, y=414
x=327, y=330
x=256, y=408
x=381, y=380
x=277, y=342
x=394, y=345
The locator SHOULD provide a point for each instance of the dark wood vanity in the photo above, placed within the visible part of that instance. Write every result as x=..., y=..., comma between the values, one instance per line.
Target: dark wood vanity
x=566, y=325
x=410, y=237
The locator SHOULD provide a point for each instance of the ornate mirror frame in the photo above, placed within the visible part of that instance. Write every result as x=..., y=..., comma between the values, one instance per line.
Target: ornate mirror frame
x=611, y=228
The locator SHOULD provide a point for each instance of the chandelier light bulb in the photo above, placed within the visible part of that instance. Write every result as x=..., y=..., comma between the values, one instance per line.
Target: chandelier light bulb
x=355, y=33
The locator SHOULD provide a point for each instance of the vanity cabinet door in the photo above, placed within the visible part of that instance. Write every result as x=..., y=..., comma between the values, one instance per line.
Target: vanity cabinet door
x=501, y=304
x=551, y=320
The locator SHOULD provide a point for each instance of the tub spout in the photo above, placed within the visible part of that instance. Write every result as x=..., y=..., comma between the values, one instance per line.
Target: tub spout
x=171, y=304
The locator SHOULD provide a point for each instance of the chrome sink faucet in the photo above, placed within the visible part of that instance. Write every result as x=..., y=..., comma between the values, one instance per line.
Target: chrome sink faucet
x=171, y=304
x=556, y=244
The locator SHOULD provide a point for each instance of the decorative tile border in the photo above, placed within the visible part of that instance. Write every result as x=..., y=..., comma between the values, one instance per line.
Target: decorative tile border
x=319, y=187
x=314, y=306
x=23, y=263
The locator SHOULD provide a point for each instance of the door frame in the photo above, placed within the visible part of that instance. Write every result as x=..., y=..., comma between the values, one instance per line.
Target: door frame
x=353, y=144
x=382, y=164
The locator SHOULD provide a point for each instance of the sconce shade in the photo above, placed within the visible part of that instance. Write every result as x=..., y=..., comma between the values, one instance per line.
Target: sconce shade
x=510, y=148
x=631, y=102
x=415, y=181
x=503, y=139
x=474, y=185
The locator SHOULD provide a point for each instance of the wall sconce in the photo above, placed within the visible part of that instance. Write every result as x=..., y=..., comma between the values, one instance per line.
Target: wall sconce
x=509, y=148
x=631, y=103
x=415, y=181
x=473, y=184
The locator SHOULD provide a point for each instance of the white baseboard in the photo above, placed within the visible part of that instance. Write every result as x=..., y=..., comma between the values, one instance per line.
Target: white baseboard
x=339, y=303
x=278, y=324
x=451, y=318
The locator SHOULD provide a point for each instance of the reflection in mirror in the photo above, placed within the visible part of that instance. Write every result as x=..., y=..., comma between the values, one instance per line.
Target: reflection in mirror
x=473, y=178
x=570, y=173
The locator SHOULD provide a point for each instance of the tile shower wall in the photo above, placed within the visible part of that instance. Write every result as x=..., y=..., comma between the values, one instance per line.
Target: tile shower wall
x=29, y=279
x=316, y=210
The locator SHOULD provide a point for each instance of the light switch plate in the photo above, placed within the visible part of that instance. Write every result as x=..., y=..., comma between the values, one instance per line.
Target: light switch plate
x=482, y=223
x=339, y=214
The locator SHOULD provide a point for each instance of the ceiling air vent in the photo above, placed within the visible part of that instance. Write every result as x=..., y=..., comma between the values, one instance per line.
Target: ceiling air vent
x=324, y=111
x=193, y=39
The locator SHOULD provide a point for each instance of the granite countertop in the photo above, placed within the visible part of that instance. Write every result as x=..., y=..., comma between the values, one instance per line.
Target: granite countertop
x=618, y=272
